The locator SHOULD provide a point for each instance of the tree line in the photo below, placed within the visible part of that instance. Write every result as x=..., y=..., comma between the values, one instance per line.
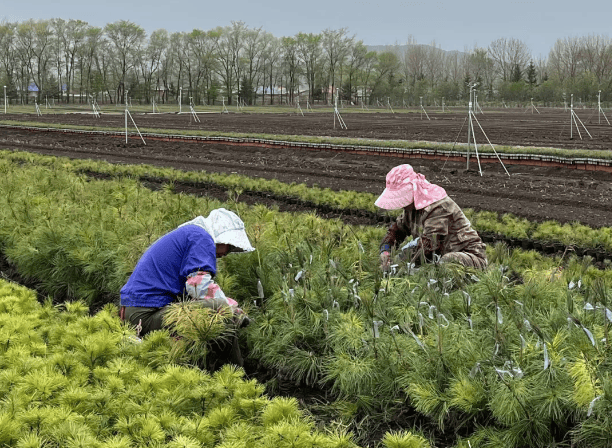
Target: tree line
x=72, y=61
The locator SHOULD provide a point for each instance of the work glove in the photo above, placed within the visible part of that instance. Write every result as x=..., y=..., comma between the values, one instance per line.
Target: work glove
x=240, y=318
x=406, y=251
x=385, y=260
x=412, y=244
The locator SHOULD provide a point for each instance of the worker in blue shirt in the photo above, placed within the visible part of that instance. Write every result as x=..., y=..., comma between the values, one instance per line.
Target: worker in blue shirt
x=183, y=263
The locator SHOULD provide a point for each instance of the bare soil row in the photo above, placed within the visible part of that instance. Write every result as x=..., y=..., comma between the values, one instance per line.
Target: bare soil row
x=512, y=127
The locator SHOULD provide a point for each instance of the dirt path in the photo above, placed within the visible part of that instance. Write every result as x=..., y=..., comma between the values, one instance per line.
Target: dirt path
x=538, y=194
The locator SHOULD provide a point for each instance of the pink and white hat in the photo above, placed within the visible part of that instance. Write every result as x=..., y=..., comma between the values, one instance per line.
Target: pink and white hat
x=404, y=187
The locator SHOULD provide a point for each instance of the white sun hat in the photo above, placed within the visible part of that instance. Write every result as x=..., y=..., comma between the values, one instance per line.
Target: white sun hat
x=225, y=227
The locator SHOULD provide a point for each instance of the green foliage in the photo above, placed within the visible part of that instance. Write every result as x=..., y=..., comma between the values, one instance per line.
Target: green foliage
x=530, y=75
x=505, y=225
x=404, y=440
x=489, y=354
x=194, y=327
x=121, y=400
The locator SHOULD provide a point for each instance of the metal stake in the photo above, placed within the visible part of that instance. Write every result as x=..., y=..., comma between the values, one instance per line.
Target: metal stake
x=423, y=110
x=598, y=105
x=337, y=115
x=127, y=112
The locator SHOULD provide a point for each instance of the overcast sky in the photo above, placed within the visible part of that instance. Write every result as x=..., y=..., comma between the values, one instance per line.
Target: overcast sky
x=453, y=25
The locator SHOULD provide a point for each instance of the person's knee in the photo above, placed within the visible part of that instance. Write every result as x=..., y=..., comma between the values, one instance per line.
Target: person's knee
x=465, y=259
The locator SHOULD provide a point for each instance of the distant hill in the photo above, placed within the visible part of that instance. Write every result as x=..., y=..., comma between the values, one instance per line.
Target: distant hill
x=400, y=49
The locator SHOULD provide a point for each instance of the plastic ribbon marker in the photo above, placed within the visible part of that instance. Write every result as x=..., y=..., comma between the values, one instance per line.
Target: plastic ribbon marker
x=377, y=323
x=260, y=289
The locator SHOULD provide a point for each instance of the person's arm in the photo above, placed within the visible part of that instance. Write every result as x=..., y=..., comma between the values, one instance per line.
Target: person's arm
x=200, y=286
x=395, y=235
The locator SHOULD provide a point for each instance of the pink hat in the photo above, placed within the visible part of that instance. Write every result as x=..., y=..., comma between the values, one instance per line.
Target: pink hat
x=404, y=186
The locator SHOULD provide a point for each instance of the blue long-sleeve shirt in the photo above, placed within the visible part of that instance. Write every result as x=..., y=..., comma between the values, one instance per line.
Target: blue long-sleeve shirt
x=160, y=274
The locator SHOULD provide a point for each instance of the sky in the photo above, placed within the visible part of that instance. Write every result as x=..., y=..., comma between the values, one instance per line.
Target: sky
x=452, y=25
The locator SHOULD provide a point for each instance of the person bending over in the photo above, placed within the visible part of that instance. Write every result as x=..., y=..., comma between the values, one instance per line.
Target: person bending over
x=435, y=221
x=183, y=264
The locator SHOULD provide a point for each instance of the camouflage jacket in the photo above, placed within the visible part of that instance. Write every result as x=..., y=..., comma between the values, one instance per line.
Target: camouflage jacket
x=442, y=227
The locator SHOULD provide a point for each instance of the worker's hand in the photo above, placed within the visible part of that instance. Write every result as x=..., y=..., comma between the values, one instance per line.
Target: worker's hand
x=385, y=260
x=240, y=317
x=244, y=321
x=412, y=244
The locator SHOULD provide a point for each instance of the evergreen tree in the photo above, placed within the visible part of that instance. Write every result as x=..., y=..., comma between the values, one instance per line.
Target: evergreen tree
x=531, y=75
x=466, y=84
x=246, y=91
x=517, y=74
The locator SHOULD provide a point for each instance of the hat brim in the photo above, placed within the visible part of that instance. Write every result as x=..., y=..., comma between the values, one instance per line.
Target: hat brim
x=394, y=199
x=236, y=238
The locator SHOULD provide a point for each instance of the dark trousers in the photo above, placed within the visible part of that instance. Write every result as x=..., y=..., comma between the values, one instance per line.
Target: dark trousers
x=144, y=319
x=224, y=350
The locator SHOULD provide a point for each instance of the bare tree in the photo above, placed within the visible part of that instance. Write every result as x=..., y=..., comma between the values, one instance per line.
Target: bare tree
x=151, y=60
x=434, y=61
x=597, y=56
x=127, y=39
x=310, y=52
x=481, y=68
x=7, y=53
x=272, y=54
x=168, y=68
x=414, y=61
x=96, y=61
x=189, y=64
x=565, y=57
x=452, y=67
x=336, y=45
x=291, y=67
x=256, y=42
x=229, y=48
x=70, y=37
x=34, y=40
x=357, y=62
x=507, y=54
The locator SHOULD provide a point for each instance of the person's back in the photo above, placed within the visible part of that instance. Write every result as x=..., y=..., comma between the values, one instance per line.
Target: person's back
x=160, y=275
x=445, y=221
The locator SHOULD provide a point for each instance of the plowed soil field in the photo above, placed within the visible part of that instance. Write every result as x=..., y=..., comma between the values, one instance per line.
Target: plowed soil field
x=515, y=127
x=536, y=193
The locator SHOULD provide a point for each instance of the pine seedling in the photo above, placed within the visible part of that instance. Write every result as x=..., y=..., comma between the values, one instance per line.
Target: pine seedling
x=32, y=440
x=404, y=439
x=10, y=429
x=289, y=434
x=117, y=441
x=182, y=441
x=599, y=292
x=430, y=400
x=280, y=409
x=305, y=365
x=596, y=429
x=352, y=375
x=196, y=326
x=509, y=400
x=467, y=394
